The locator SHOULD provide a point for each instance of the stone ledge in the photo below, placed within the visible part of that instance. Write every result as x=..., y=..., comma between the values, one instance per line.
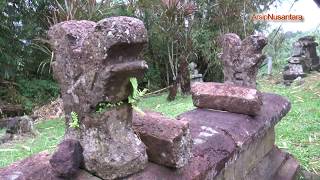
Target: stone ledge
x=218, y=137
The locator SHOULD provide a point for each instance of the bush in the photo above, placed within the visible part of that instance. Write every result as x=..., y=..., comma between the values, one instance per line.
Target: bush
x=36, y=92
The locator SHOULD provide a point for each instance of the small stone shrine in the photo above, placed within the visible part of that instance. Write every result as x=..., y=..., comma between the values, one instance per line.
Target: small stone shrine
x=303, y=60
x=194, y=73
x=229, y=135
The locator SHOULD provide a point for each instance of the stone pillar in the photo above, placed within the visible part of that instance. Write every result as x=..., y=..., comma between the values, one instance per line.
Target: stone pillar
x=93, y=64
x=242, y=59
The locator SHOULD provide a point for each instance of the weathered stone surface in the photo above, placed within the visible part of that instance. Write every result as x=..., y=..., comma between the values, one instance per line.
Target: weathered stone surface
x=242, y=59
x=120, y=148
x=248, y=156
x=288, y=171
x=168, y=141
x=226, y=97
x=37, y=167
x=194, y=73
x=268, y=166
x=309, y=51
x=220, y=137
x=294, y=71
x=19, y=125
x=94, y=62
x=15, y=127
x=66, y=161
x=304, y=58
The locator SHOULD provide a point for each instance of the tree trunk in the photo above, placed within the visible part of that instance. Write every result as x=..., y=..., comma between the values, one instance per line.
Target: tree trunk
x=184, y=76
x=173, y=89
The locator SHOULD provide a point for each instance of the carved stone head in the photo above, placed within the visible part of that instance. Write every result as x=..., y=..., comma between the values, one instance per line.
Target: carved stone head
x=94, y=61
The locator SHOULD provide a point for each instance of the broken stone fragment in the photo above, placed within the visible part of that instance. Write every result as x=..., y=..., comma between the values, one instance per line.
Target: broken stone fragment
x=93, y=64
x=168, y=141
x=66, y=161
x=19, y=125
x=37, y=167
x=226, y=97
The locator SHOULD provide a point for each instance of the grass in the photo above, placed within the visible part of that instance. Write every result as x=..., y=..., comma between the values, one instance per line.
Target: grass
x=48, y=134
x=171, y=109
x=298, y=133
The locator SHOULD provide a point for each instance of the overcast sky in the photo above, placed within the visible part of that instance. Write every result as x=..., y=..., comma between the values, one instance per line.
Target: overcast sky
x=307, y=8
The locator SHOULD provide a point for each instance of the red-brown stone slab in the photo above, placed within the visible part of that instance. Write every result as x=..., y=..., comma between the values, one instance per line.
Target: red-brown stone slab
x=226, y=97
x=168, y=141
x=217, y=137
x=242, y=127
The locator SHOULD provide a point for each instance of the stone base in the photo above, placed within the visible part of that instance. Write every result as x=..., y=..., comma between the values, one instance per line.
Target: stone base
x=276, y=165
x=248, y=157
x=225, y=146
x=111, y=150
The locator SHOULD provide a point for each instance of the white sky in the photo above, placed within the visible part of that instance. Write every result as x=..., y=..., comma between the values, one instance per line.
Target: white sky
x=307, y=8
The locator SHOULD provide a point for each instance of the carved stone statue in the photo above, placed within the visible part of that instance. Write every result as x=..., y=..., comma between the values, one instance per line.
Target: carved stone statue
x=93, y=64
x=241, y=59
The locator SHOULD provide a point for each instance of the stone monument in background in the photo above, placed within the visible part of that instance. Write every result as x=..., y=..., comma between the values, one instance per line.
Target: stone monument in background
x=194, y=73
x=303, y=60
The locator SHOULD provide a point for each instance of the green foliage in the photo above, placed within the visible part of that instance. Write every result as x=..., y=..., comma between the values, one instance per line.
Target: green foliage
x=133, y=98
x=103, y=106
x=276, y=47
x=29, y=93
x=207, y=51
x=136, y=95
x=25, y=52
x=279, y=47
x=169, y=108
x=74, y=120
x=152, y=78
x=36, y=92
